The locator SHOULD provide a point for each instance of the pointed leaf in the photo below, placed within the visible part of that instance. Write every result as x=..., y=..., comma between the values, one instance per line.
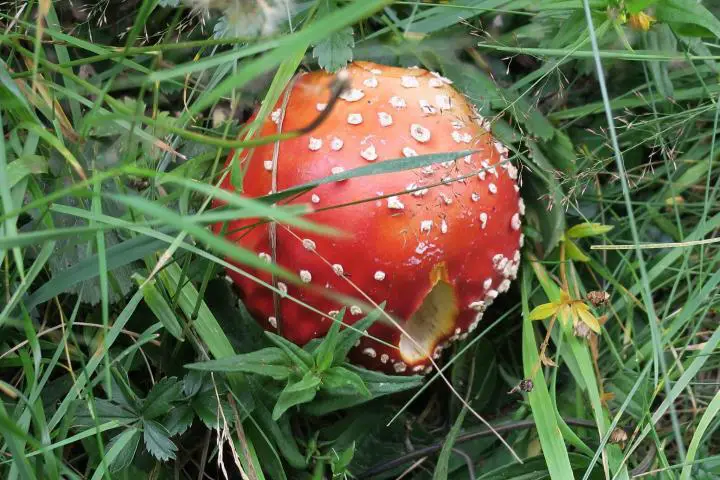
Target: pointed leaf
x=157, y=442
x=272, y=362
x=296, y=394
x=574, y=252
x=349, y=336
x=325, y=351
x=341, y=379
x=158, y=401
x=541, y=312
x=586, y=316
x=125, y=444
x=588, y=229
x=299, y=357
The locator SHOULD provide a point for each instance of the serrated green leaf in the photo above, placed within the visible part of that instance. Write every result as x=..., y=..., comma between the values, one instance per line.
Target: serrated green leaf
x=299, y=357
x=335, y=50
x=341, y=379
x=161, y=396
x=324, y=353
x=588, y=229
x=205, y=405
x=157, y=441
x=193, y=382
x=179, y=420
x=271, y=362
x=125, y=443
x=296, y=393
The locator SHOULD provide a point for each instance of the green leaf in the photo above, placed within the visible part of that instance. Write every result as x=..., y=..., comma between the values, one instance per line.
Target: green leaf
x=179, y=420
x=162, y=395
x=296, y=393
x=574, y=252
x=299, y=357
x=341, y=379
x=551, y=439
x=340, y=463
x=335, y=50
x=159, y=306
x=24, y=166
x=688, y=17
x=271, y=362
x=125, y=443
x=441, y=468
x=348, y=336
x=325, y=351
x=588, y=229
x=157, y=441
x=205, y=405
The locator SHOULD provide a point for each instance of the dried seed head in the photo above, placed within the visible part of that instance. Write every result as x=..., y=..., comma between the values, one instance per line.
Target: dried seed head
x=598, y=297
x=618, y=436
x=582, y=330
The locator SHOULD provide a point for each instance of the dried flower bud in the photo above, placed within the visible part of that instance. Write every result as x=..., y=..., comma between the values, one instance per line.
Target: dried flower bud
x=598, y=297
x=525, y=385
x=641, y=21
x=618, y=436
x=582, y=330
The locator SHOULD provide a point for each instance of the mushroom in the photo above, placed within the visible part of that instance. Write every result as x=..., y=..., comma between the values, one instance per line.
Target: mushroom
x=437, y=243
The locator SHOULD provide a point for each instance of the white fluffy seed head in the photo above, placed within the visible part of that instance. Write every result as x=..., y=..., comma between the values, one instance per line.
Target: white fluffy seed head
x=443, y=226
x=379, y=276
x=338, y=269
x=272, y=321
x=426, y=226
x=355, y=310
x=435, y=83
x=475, y=197
x=419, y=133
x=320, y=106
x=492, y=188
x=268, y=164
x=521, y=206
x=504, y=286
x=487, y=284
x=308, y=244
x=264, y=256
x=384, y=358
x=515, y=222
x=305, y=276
x=337, y=170
x=400, y=367
x=315, y=198
x=283, y=288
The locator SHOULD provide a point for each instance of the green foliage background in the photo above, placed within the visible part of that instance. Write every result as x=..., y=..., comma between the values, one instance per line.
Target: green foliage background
x=124, y=353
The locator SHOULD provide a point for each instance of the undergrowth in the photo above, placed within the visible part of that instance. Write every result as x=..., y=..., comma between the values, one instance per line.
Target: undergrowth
x=124, y=353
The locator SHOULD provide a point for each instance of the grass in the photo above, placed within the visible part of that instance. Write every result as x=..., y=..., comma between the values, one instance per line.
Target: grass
x=123, y=351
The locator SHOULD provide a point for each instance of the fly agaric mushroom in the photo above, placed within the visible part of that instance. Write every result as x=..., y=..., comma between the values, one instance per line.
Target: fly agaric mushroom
x=437, y=243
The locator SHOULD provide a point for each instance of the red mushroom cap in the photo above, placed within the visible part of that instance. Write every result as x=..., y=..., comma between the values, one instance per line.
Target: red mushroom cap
x=438, y=255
